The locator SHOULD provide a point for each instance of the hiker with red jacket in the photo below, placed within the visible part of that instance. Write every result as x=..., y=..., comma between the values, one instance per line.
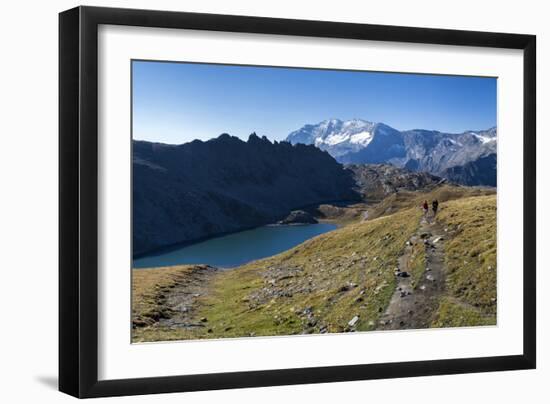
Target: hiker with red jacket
x=425, y=208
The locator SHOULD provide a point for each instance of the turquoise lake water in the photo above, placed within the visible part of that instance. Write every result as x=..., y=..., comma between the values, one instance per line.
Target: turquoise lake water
x=238, y=248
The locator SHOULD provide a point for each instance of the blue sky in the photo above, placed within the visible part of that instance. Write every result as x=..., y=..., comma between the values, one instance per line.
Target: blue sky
x=179, y=102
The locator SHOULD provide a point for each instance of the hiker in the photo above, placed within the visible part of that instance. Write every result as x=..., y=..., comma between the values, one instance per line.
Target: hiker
x=425, y=208
x=435, y=205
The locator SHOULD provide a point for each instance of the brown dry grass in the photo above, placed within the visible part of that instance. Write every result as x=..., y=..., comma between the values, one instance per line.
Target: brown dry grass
x=149, y=287
x=470, y=252
x=409, y=199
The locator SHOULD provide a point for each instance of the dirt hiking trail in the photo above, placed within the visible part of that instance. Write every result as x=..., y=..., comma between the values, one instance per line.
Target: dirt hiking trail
x=412, y=306
x=182, y=298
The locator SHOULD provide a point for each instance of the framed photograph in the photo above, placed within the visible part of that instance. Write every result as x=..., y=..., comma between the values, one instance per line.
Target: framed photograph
x=251, y=201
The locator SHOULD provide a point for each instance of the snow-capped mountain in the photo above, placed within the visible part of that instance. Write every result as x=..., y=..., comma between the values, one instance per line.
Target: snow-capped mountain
x=468, y=157
x=336, y=136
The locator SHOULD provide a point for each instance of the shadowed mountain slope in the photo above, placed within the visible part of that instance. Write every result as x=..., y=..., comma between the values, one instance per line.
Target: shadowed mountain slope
x=201, y=189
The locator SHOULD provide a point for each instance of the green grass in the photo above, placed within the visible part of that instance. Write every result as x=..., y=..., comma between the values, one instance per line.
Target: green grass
x=454, y=314
x=335, y=276
x=470, y=252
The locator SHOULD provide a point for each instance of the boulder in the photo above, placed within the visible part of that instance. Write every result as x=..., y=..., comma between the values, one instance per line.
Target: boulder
x=299, y=217
x=353, y=321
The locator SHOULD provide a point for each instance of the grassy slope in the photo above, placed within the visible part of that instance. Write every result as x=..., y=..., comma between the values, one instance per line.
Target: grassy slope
x=323, y=282
x=149, y=288
x=409, y=199
x=470, y=257
x=326, y=281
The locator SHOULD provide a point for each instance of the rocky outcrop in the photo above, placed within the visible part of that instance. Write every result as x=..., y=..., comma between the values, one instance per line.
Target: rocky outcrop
x=187, y=192
x=482, y=171
x=376, y=181
x=299, y=217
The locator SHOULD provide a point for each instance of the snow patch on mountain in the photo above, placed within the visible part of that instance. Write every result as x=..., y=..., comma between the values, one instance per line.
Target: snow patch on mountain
x=335, y=136
x=484, y=139
x=362, y=138
x=333, y=139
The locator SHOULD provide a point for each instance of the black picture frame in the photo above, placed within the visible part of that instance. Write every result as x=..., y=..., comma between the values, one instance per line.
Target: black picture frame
x=78, y=201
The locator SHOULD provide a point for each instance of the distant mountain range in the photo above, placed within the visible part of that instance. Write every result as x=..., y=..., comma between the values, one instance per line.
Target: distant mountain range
x=187, y=192
x=467, y=158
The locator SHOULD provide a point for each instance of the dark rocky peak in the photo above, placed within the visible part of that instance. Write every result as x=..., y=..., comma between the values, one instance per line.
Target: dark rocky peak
x=225, y=138
x=255, y=139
